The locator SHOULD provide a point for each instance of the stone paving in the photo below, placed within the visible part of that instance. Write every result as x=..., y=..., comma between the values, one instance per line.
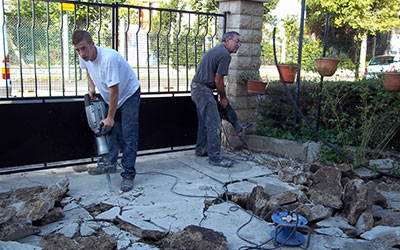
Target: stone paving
x=172, y=191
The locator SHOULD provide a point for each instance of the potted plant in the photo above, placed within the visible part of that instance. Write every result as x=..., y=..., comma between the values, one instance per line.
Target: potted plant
x=391, y=80
x=327, y=66
x=288, y=71
x=255, y=85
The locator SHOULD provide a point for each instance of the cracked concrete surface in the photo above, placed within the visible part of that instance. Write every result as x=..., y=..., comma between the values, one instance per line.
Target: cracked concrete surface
x=171, y=191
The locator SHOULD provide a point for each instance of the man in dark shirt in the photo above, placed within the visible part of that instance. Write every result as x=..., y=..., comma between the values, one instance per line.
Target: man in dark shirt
x=209, y=76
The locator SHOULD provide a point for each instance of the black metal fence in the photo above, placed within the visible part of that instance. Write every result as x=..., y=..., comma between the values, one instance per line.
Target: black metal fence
x=163, y=46
x=42, y=102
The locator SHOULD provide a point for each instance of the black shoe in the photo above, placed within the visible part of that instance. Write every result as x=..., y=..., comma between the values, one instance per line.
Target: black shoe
x=102, y=169
x=222, y=163
x=127, y=184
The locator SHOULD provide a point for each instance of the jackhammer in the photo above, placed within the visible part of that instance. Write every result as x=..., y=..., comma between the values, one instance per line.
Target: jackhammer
x=95, y=113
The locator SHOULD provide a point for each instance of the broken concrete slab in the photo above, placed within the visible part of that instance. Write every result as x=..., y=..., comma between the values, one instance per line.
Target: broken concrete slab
x=13, y=245
x=392, y=198
x=325, y=242
x=382, y=164
x=69, y=230
x=331, y=231
x=164, y=216
x=241, y=169
x=232, y=218
x=336, y=222
x=389, y=236
x=109, y=214
x=272, y=184
x=170, y=194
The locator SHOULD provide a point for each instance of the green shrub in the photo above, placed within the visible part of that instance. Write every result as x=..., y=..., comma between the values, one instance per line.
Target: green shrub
x=360, y=114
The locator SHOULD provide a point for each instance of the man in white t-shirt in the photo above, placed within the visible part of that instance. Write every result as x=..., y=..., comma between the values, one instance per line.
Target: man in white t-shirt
x=117, y=83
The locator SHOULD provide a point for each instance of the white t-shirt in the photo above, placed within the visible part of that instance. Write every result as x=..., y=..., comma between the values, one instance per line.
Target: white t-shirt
x=110, y=68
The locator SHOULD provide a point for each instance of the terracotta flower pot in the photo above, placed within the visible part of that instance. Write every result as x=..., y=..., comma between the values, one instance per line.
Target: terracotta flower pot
x=288, y=72
x=256, y=87
x=327, y=66
x=391, y=80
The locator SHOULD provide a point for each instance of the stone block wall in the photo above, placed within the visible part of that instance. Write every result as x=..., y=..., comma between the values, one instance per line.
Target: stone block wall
x=245, y=17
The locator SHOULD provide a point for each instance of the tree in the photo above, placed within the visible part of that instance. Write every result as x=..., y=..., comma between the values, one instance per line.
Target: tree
x=362, y=17
x=35, y=29
x=181, y=38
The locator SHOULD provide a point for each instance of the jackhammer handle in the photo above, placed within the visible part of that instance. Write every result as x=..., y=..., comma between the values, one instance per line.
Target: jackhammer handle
x=104, y=131
x=88, y=100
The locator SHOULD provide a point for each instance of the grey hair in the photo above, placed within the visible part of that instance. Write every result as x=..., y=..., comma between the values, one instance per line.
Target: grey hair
x=229, y=35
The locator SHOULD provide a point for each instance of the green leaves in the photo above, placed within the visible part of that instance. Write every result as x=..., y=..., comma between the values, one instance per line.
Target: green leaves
x=362, y=16
x=359, y=114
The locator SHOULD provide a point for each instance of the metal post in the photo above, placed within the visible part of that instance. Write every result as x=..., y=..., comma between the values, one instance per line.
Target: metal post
x=303, y=10
x=322, y=77
x=115, y=26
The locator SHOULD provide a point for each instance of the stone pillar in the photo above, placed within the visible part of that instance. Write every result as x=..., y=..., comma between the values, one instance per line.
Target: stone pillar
x=245, y=17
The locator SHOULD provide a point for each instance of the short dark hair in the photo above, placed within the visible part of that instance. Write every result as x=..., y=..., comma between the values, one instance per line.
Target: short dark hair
x=80, y=35
x=230, y=35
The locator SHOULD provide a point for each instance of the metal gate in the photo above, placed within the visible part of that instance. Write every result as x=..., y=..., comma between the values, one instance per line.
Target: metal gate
x=41, y=94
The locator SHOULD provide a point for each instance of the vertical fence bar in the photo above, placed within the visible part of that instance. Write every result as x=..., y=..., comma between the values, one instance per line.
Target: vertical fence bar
x=75, y=55
x=99, y=29
x=177, y=49
x=62, y=49
x=48, y=45
x=322, y=77
x=115, y=22
x=167, y=45
x=7, y=70
x=195, y=42
x=126, y=34
x=33, y=47
x=215, y=31
x=87, y=17
x=148, y=52
x=158, y=50
x=205, y=35
x=187, y=54
x=137, y=43
x=303, y=10
x=19, y=46
x=225, y=18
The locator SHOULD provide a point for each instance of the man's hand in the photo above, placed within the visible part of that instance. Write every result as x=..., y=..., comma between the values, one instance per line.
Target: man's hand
x=112, y=107
x=92, y=87
x=219, y=83
x=108, y=123
x=223, y=101
x=91, y=94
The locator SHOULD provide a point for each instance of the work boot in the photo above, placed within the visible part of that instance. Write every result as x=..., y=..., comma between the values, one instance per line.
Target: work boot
x=103, y=169
x=225, y=163
x=103, y=166
x=127, y=184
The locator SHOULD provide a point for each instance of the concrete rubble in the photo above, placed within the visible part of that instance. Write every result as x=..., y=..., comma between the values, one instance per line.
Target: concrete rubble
x=181, y=202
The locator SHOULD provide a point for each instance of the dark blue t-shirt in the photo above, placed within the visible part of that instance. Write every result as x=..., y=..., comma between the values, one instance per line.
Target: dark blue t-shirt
x=214, y=61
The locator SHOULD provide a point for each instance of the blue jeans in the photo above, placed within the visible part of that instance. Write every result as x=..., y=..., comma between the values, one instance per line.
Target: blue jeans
x=209, y=122
x=230, y=115
x=126, y=131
